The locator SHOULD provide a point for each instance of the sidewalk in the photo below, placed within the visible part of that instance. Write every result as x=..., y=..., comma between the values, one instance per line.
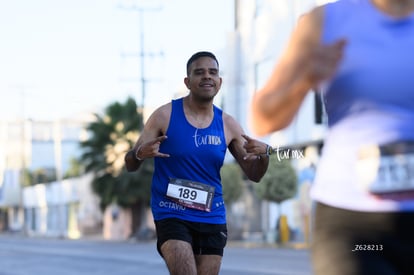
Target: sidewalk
x=100, y=238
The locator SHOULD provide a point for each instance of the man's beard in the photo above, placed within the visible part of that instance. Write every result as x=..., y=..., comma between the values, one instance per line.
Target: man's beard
x=205, y=98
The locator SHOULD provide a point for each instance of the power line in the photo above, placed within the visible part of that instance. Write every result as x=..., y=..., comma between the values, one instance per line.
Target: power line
x=142, y=52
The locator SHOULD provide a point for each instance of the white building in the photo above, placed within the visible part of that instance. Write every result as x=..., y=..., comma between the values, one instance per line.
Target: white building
x=28, y=144
x=66, y=208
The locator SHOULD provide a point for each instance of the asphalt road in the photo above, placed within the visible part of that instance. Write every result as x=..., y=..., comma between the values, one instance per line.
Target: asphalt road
x=21, y=255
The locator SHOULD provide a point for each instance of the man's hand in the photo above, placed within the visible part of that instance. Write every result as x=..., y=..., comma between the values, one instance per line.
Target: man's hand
x=323, y=61
x=254, y=148
x=151, y=149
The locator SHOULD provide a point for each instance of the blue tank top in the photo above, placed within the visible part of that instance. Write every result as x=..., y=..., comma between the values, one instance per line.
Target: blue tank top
x=369, y=101
x=195, y=154
x=376, y=75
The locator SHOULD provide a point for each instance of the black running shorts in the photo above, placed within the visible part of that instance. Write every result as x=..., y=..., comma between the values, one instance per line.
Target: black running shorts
x=205, y=238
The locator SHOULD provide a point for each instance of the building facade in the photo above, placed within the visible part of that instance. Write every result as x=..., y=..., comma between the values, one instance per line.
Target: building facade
x=262, y=29
x=32, y=145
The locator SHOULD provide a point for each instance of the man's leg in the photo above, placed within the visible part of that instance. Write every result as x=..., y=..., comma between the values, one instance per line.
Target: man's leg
x=208, y=246
x=179, y=257
x=208, y=264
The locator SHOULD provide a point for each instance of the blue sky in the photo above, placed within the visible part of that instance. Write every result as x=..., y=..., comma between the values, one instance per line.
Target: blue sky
x=59, y=58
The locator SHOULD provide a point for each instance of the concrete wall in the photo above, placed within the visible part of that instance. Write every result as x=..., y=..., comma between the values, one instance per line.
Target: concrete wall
x=66, y=209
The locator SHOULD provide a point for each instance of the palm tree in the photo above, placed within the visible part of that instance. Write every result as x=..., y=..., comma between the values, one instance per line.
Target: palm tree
x=111, y=136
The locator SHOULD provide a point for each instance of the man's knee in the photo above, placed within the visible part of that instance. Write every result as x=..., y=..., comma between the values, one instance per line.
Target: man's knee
x=208, y=264
x=179, y=257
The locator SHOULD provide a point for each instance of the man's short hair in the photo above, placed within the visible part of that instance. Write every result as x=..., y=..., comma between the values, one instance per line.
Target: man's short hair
x=198, y=55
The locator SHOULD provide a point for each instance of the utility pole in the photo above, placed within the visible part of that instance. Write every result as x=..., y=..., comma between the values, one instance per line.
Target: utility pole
x=23, y=164
x=142, y=52
x=138, y=215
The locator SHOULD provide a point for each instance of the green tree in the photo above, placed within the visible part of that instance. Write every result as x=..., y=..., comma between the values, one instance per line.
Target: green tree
x=26, y=178
x=75, y=169
x=279, y=183
x=232, y=180
x=110, y=136
x=233, y=188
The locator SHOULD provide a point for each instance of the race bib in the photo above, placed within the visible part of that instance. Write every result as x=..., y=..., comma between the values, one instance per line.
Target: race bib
x=191, y=194
x=387, y=170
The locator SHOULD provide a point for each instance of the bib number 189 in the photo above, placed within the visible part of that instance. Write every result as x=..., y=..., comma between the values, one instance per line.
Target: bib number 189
x=186, y=193
x=191, y=194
